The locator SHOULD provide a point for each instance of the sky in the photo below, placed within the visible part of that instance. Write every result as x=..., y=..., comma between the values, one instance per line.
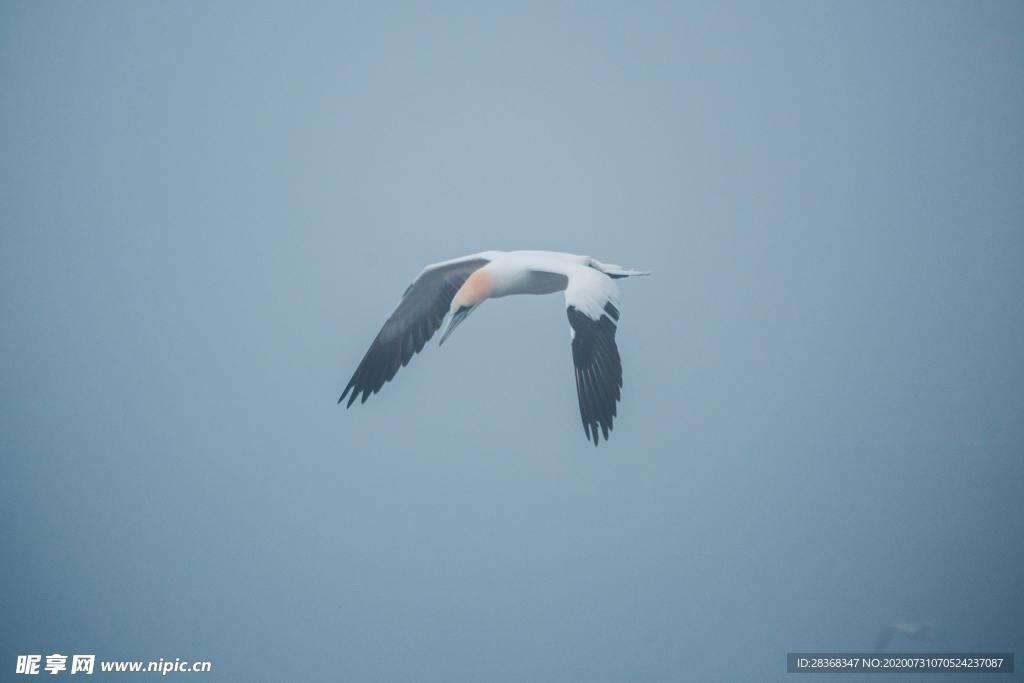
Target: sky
x=207, y=210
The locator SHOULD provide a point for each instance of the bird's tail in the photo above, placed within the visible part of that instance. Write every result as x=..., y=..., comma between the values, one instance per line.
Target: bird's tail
x=614, y=271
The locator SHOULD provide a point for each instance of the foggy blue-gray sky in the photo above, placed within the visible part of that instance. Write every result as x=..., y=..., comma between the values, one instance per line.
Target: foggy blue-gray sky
x=208, y=210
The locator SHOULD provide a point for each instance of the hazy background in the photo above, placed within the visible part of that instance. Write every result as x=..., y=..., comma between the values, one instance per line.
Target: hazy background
x=209, y=209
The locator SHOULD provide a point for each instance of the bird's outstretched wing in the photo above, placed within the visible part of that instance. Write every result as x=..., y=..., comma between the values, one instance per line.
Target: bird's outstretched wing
x=591, y=300
x=418, y=315
x=884, y=638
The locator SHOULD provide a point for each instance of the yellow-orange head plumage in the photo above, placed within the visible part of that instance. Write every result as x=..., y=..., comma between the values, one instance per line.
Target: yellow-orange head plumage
x=478, y=286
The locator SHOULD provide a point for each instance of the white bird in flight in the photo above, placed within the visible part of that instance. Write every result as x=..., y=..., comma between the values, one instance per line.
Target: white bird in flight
x=926, y=632
x=455, y=288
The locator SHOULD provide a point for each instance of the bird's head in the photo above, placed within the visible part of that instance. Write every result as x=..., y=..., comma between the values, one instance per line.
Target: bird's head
x=471, y=294
x=931, y=631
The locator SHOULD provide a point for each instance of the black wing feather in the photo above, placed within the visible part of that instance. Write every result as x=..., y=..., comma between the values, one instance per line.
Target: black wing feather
x=418, y=316
x=598, y=369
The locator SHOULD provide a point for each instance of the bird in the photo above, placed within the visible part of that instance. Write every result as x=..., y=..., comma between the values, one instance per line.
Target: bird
x=455, y=288
x=925, y=632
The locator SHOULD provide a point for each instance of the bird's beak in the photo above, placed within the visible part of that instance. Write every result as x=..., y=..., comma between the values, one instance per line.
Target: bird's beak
x=457, y=317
